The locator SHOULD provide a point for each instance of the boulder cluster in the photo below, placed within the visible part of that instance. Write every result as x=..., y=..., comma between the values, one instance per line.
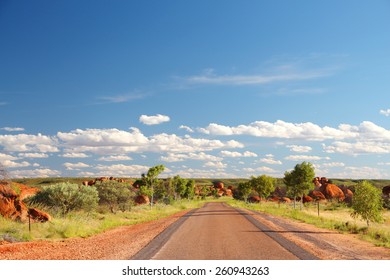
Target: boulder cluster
x=13, y=207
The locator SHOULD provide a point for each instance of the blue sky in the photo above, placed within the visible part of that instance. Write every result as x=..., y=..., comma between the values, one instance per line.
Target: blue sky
x=207, y=88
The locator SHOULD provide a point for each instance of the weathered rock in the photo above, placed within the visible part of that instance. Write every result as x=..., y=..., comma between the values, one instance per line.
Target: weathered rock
x=317, y=195
x=332, y=191
x=142, y=199
x=12, y=205
x=386, y=191
x=219, y=185
x=254, y=199
x=39, y=215
x=307, y=198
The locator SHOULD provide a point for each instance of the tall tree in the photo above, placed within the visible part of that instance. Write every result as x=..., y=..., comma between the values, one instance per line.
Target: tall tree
x=264, y=185
x=299, y=180
x=367, y=203
x=244, y=189
x=150, y=179
x=180, y=185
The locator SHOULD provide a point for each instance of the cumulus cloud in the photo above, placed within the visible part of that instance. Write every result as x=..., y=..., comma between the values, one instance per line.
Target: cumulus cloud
x=305, y=158
x=333, y=164
x=217, y=165
x=299, y=149
x=187, y=128
x=33, y=155
x=75, y=166
x=115, y=158
x=282, y=129
x=238, y=154
x=385, y=112
x=356, y=148
x=269, y=159
x=172, y=157
x=153, y=120
x=261, y=169
x=74, y=155
x=121, y=170
x=35, y=173
x=29, y=143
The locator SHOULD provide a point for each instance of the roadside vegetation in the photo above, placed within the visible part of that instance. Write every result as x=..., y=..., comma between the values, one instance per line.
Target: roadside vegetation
x=81, y=211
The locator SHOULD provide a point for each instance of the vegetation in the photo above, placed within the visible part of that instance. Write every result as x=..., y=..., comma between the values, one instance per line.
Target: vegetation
x=68, y=197
x=115, y=195
x=263, y=185
x=83, y=211
x=150, y=180
x=299, y=180
x=367, y=203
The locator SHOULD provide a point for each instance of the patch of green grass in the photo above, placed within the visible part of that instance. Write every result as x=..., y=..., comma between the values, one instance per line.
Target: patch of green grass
x=83, y=224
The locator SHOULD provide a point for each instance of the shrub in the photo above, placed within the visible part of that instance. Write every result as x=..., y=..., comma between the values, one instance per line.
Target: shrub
x=115, y=195
x=367, y=203
x=68, y=197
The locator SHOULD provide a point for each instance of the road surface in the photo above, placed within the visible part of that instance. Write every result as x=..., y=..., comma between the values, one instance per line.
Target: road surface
x=218, y=231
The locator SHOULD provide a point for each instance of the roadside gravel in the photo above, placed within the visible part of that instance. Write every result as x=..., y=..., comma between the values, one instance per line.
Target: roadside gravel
x=117, y=244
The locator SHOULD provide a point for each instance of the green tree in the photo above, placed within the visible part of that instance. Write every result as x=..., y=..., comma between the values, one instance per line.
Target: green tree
x=299, y=180
x=244, y=190
x=68, y=197
x=367, y=203
x=264, y=185
x=180, y=186
x=115, y=195
x=190, y=189
x=150, y=180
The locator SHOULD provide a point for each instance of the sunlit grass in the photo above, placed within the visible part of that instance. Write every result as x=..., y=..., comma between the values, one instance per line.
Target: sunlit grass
x=83, y=224
x=331, y=216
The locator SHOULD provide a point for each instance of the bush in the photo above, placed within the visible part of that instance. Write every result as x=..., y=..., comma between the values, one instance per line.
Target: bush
x=115, y=195
x=67, y=197
x=367, y=203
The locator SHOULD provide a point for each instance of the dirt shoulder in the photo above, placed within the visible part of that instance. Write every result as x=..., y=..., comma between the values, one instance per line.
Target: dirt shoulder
x=124, y=242
x=324, y=243
x=117, y=244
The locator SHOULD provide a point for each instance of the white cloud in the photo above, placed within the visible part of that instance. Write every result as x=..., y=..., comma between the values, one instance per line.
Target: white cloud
x=299, y=149
x=281, y=129
x=261, y=169
x=75, y=155
x=269, y=159
x=14, y=164
x=121, y=170
x=12, y=129
x=115, y=158
x=35, y=173
x=29, y=143
x=33, y=155
x=385, y=112
x=363, y=172
x=359, y=147
x=333, y=164
x=305, y=158
x=217, y=165
x=172, y=157
x=238, y=154
x=75, y=166
x=153, y=120
x=210, y=77
x=187, y=128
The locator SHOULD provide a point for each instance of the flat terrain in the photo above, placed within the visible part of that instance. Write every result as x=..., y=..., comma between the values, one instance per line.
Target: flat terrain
x=239, y=238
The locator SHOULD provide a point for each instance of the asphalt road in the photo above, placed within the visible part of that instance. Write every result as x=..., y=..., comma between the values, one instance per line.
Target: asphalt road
x=218, y=231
